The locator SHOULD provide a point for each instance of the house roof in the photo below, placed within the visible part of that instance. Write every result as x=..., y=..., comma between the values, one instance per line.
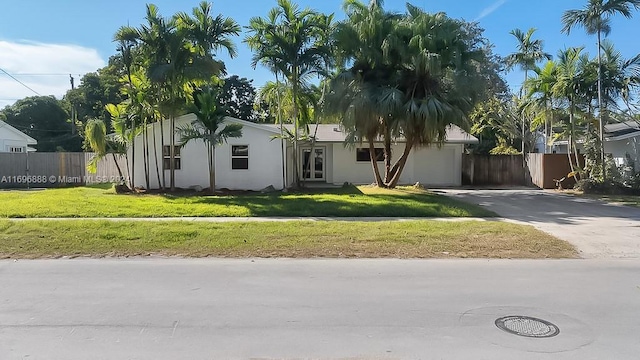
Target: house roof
x=622, y=131
x=30, y=140
x=334, y=133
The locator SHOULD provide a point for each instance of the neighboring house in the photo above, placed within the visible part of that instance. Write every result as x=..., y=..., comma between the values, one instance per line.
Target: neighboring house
x=14, y=141
x=254, y=161
x=622, y=141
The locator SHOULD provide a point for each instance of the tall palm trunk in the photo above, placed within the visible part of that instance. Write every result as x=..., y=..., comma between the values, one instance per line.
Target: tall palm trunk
x=571, y=130
x=211, y=154
x=155, y=151
x=387, y=154
x=133, y=162
x=115, y=161
x=601, y=109
x=399, y=166
x=283, y=150
x=147, y=165
x=163, y=185
x=295, y=126
x=374, y=163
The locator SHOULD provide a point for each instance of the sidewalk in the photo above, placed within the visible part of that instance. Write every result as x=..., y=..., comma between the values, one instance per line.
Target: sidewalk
x=261, y=219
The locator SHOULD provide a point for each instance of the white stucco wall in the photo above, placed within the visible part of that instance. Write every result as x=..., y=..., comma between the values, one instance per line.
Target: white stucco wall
x=9, y=138
x=619, y=149
x=429, y=166
x=264, y=161
x=439, y=167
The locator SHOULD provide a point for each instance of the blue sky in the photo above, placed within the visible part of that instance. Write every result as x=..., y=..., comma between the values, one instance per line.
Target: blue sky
x=48, y=39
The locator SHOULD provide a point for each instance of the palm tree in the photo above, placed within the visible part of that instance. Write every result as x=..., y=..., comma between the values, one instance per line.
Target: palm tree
x=412, y=76
x=291, y=42
x=439, y=78
x=540, y=95
x=621, y=77
x=95, y=133
x=179, y=51
x=528, y=55
x=209, y=129
x=595, y=18
x=569, y=86
x=363, y=96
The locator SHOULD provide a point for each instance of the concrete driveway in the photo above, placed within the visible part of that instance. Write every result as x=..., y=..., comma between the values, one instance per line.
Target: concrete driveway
x=597, y=229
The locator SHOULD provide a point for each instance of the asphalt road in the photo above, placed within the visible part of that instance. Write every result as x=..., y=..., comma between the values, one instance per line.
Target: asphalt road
x=320, y=309
x=597, y=229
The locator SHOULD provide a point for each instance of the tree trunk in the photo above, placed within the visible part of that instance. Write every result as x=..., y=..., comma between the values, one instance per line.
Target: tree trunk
x=115, y=161
x=387, y=154
x=400, y=165
x=212, y=169
x=374, y=164
x=155, y=151
x=283, y=149
x=163, y=185
x=570, y=144
x=295, y=127
x=172, y=155
x=147, y=167
x=601, y=109
x=133, y=162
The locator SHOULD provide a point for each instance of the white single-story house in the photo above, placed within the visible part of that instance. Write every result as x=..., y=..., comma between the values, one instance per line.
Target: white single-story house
x=13, y=140
x=255, y=160
x=622, y=141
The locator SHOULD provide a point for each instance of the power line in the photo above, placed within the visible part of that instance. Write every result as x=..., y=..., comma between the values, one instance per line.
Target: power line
x=20, y=82
x=41, y=74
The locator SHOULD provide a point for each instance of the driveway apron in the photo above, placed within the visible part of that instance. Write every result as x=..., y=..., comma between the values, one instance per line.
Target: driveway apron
x=596, y=228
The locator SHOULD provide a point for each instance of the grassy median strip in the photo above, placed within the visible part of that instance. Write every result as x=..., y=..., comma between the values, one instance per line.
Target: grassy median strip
x=295, y=239
x=361, y=201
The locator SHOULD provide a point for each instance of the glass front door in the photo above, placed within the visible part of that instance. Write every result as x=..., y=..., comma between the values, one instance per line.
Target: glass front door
x=313, y=164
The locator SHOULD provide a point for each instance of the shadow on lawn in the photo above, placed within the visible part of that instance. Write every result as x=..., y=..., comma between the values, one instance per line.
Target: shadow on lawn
x=353, y=206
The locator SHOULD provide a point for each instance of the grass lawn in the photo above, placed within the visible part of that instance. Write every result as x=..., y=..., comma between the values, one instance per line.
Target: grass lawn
x=350, y=202
x=629, y=200
x=297, y=239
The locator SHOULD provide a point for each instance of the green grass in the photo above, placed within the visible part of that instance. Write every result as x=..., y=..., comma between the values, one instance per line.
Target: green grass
x=345, y=202
x=629, y=200
x=296, y=239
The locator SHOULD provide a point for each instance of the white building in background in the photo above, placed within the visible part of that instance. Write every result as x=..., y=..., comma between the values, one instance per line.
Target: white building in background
x=14, y=141
x=255, y=160
x=622, y=141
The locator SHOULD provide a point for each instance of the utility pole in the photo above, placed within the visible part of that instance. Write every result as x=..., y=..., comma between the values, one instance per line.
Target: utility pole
x=73, y=107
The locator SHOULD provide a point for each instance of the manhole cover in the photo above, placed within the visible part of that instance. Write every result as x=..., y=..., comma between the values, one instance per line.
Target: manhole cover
x=527, y=326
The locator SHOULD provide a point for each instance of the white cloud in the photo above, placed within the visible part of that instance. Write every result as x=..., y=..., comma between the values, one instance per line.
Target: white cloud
x=489, y=10
x=48, y=66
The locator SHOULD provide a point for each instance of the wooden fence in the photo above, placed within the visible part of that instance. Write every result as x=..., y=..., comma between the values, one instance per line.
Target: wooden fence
x=501, y=170
x=541, y=170
x=45, y=170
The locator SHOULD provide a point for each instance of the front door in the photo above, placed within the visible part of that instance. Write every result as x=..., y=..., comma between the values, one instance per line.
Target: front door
x=313, y=164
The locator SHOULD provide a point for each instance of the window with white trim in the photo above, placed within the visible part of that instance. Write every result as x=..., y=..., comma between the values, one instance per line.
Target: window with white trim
x=16, y=149
x=166, y=157
x=239, y=157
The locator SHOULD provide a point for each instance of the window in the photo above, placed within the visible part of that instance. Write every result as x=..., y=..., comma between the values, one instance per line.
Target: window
x=240, y=157
x=362, y=154
x=166, y=157
x=16, y=149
